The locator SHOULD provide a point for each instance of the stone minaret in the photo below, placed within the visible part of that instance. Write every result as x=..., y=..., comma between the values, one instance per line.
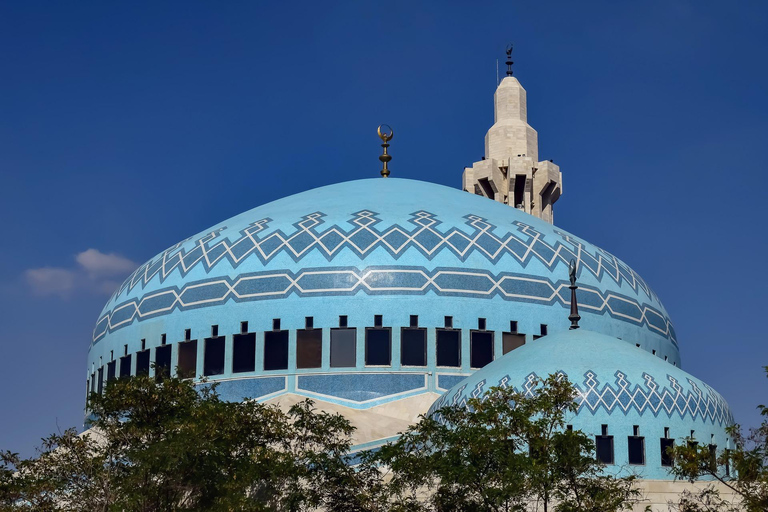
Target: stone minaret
x=511, y=172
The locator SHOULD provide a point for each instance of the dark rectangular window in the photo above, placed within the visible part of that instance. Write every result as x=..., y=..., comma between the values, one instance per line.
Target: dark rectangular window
x=309, y=348
x=243, y=327
x=693, y=444
x=111, y=368
x=543, y=329
x=378, y=346
x=187, y=334
x=604, y=449
x=480, y=348
x=244, y=353
x=163, y=339
x=343, y=321
x=276, y=324
x=414, y=321
x=213, y=358
x=276, y=350
x=666, y=457
x=449, y=322
x=309, y=322
x=636, y=450
x=413, y=346
x=100, y=381
x=343, y=343
x=448, y=347
x=712, y=457
x=378, y=320
x=93, y=383
x=142, y=362
x=481, y=324
x=513, y=327
x=143, y=345
x=163, y=361
x=214, y=331
x=511, y=340
x=519, y=191
x=125, y=366
x=188, y=359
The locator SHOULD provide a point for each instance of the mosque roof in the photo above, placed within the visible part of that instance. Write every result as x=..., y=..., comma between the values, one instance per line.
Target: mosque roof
x=611, y=379
x=386, y=237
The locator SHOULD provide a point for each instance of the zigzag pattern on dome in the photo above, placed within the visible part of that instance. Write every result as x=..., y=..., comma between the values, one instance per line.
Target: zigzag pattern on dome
x=399, y=280
x=364, y=237
x=623, y=397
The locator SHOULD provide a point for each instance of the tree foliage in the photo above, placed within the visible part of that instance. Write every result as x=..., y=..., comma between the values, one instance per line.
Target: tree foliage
x=504, y=451
x=746, y=475
x=172, y=446
x=169, y=445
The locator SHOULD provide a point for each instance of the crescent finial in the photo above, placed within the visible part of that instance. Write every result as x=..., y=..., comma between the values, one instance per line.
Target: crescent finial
x=386, y=132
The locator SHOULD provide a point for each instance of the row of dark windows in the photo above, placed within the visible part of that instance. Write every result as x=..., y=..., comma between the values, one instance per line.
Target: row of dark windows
x=309, y=347
x=636, y=448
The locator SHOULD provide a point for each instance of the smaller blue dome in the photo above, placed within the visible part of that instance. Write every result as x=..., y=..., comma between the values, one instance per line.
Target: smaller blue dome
x=624, y=393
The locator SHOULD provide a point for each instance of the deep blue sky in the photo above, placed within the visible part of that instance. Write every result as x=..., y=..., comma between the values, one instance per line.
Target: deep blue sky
x=127, y=126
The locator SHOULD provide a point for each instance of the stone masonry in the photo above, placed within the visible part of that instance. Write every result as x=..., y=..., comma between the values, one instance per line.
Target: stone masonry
x=511, y=172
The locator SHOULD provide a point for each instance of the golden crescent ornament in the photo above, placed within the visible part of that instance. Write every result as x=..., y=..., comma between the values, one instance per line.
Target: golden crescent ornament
x=386, y=137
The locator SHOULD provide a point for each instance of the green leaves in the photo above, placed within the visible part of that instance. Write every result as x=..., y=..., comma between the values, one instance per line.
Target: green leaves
x=171, y=446
x=746, y=476
x=502, y=451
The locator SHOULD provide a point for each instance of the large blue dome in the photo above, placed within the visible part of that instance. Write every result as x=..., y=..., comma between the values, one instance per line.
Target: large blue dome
x=388, y=253
x=622, y=391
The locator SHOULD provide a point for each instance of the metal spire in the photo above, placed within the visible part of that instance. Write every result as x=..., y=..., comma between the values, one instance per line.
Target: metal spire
x=509, y=59
x=574, y=316
x=385, y=133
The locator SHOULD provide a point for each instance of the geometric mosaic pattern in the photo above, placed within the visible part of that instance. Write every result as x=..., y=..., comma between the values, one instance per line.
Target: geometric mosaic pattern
x=623, y=397
x=389, y=280
x=362, y=236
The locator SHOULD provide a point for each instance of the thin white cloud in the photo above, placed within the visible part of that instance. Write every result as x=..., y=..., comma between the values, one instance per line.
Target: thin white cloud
x=98, y=264
x=49, y=281
x=97, y=273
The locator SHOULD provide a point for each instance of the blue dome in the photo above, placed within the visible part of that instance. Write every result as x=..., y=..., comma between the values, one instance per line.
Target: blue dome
x=388, y=249
x=618, y=386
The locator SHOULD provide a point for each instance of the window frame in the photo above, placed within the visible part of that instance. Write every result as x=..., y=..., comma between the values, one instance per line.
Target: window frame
x=437, y=346
x=385, y=329
x=471, y=344
x=422, y=330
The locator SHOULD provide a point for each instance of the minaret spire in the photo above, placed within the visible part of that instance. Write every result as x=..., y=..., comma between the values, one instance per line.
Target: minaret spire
x=574, y=316
x=385, y=134
x=510, y=171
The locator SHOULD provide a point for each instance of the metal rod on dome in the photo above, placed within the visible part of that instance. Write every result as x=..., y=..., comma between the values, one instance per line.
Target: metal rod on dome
x=385, y=133
x=574, y=316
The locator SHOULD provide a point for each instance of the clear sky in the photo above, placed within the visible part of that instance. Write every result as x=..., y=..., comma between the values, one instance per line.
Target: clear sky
x=128, y=126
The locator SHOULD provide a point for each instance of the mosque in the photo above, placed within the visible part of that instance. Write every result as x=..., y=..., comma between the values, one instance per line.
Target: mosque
x=386, y=298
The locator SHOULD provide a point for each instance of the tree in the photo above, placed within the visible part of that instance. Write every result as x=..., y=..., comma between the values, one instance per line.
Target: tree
x=172, y=446
x=746, y=476
x=68, y=474
x=504, y=451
